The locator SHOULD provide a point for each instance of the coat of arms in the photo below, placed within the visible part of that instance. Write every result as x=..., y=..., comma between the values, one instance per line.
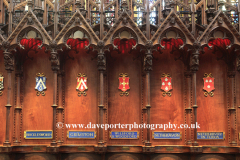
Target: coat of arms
x=1, y=84
x=208, y=84
x=166, y=84
x=124, y=84
x=40, y=84
x=81, y=84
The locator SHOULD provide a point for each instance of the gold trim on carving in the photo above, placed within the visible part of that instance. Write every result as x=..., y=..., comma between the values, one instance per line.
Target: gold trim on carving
x=1, y=92
x=37, y=131
x=40, y=75
x=95, y=134
x=110, y=132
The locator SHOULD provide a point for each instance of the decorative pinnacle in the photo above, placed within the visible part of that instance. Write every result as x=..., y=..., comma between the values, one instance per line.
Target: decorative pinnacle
x=30, y=4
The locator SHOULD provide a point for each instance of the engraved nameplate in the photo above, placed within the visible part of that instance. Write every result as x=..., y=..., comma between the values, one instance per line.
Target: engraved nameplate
x=124, y=135
x=210, y=135
x=81, y=134
x=38, y=134
x=166, y=135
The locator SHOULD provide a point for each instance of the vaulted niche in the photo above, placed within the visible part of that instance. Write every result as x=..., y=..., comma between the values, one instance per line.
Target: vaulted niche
x=167, y=85
x=33, y=100
x=214, y=106
x=80, y=85
x=124, y=82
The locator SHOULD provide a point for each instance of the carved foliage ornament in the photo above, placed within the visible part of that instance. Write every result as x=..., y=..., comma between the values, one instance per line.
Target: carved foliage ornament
x=40, y=84
x=81, y=84
x=1, y=83
x=124, y=84
x=166, y=84
x=55, y=63
x=8, y=61
x=208, y=84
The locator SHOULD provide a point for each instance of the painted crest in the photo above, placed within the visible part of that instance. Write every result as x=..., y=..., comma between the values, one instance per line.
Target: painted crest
x=1, y=84
x=166, y=84
x=40, y=84
x=81, y=84
x=123, y=84
x=208, y=84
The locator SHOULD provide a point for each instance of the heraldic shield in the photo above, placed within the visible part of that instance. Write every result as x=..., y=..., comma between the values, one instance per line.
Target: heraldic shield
x=166, y=84
x=1, y=84
x=208, y=84
x=124, y=84
x=81, y=84
x=40, y=84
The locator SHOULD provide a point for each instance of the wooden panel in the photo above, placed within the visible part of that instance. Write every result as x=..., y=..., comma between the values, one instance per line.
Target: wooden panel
x=169, y=157
x=4, y=157
x=38, y=156
x=167, y=109
x=124, y=109
x=81, y=156
x=83, y=109
x=3, y=100
x=238, y=104
x=37, y=113
x=212, y=111
x=125, y=156
x=215, y=157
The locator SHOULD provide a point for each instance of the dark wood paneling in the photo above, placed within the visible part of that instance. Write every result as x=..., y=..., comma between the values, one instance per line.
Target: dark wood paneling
x=125, y=156
x=81, y=156
x=37, y=156
x=124, y=109
x=37, y=112
x=3, y=101
x=167, y=109
x=238, y=104
x=215, y=157
x=212, y=111
x=83, y=109
x=169, y=157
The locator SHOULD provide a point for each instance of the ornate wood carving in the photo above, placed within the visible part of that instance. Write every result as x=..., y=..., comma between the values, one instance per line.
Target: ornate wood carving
x=171, y=21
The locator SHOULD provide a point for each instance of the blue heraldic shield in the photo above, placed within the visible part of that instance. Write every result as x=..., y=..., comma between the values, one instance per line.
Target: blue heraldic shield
x=40, y=84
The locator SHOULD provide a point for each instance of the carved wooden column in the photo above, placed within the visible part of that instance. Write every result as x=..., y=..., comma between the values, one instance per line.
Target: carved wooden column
x=10, y=14
x=18, y=108
x=60, y=108
x=55, y=19
x=231, y=107
x=193, y=10
x=101, y=20
x=9, y=66
x=101, y=68
x=147, y=69
x=2, y=8
x=147, y=20
x=194, y=68
x=188, y=109
x=45, y=13
x=55, y=67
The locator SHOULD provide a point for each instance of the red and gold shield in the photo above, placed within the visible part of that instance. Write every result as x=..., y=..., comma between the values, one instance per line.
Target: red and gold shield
x=208, y=84
x=82, y=84
x=123, y=83
x=166, y=84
